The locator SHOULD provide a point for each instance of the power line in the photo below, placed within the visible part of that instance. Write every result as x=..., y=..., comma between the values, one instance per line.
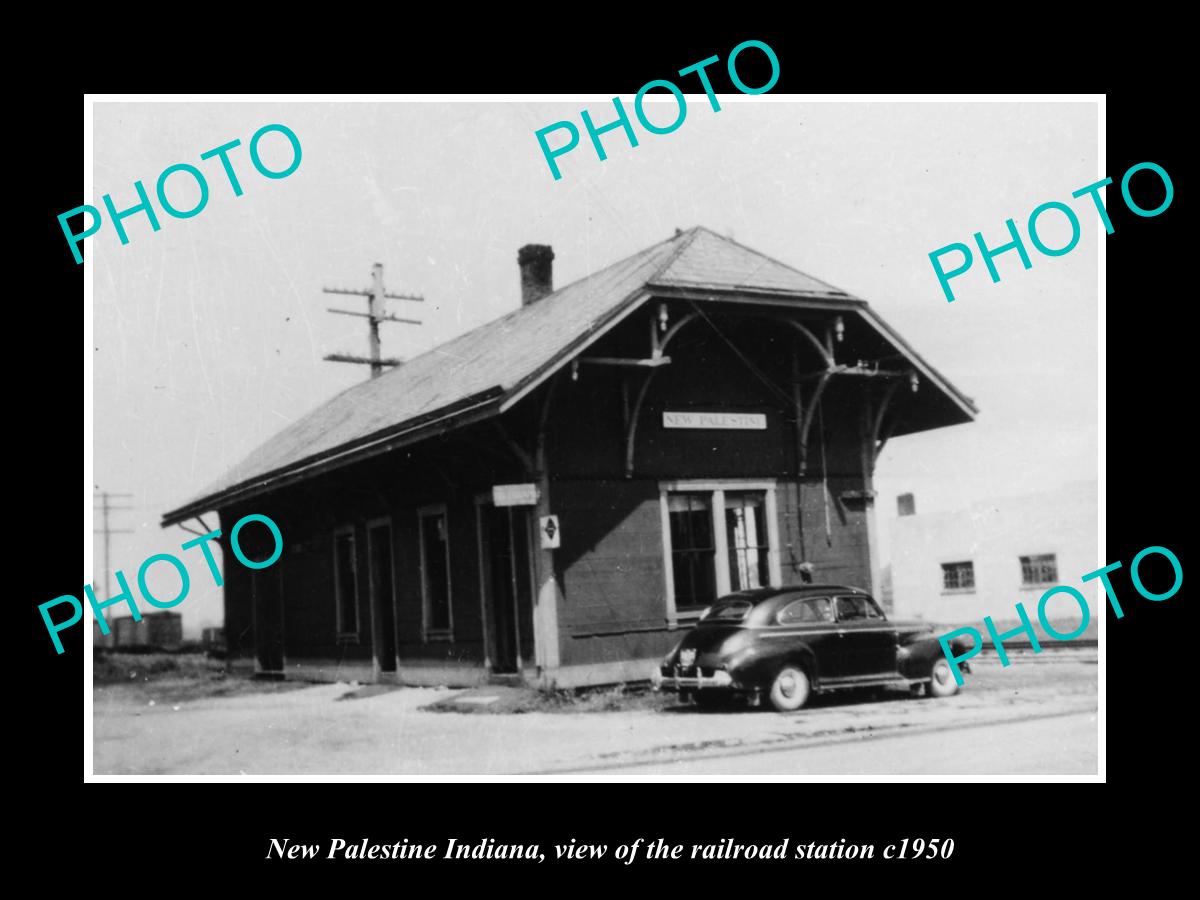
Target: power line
x=374, y=315
x=105, y=508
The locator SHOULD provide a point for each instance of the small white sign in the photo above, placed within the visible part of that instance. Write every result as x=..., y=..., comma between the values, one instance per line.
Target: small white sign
x=551, y=533
x=515, y=494
x=729, y=421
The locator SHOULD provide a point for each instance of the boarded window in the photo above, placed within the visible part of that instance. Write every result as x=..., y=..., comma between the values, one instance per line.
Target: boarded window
x=692, y=549
x=958, y=576
x=435, y=568
x=1037, y=570
x=746, y=538
x=346, y=582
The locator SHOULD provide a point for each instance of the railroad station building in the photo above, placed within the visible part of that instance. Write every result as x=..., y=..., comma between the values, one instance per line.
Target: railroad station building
x=553, y=496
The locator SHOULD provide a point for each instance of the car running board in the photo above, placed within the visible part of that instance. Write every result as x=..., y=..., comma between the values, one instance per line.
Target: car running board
x=892, y=680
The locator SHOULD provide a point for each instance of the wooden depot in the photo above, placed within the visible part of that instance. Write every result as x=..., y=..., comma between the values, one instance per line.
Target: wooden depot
x=701, y=417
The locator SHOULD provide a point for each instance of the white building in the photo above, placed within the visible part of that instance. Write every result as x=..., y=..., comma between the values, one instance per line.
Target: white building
x=957, y=567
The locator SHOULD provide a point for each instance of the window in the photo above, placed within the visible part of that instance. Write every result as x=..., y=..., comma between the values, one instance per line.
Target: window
x=435, y=572
x=718, y=538
x=746, y=537
x=381, y=589
x=692, y=550
x=1038, y=570
x=851, y=609
x=345, y=578
x=958, y=576
x=808, y=611
x=729, y=611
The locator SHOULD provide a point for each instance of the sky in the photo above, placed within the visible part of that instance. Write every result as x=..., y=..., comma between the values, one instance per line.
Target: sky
x=209, y=333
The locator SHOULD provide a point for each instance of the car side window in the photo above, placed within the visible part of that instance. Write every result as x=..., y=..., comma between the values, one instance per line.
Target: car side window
x=806, y=611
x=854, y=609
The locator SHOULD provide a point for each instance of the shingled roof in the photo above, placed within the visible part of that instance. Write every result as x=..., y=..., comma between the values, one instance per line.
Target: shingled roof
x=491, y=366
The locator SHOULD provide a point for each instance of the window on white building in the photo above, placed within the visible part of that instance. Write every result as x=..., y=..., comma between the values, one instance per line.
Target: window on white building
x=958, y=576
x=1039, y=570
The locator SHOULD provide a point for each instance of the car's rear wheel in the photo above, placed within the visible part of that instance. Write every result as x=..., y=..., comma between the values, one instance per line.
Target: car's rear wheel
x=941, y=680
x=790, y=689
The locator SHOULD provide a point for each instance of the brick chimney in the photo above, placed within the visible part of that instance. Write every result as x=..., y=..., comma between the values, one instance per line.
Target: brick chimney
x=537, y=272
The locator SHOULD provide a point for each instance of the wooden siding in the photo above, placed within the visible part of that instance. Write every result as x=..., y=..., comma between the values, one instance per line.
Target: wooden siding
x=394, y=486
x=610, y=566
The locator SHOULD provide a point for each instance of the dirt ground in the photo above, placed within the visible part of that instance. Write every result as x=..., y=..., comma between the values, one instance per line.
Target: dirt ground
x=155, y=678
x=127, y=679
x=198, y=721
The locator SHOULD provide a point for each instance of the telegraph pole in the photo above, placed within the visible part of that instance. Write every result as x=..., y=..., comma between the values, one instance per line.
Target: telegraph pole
x=105, y=508
x=374, y=315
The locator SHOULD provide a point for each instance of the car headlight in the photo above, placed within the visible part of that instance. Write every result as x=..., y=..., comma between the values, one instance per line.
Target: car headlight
x=961, y=644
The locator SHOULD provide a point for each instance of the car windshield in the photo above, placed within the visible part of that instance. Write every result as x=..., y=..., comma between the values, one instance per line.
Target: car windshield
x=728, y=611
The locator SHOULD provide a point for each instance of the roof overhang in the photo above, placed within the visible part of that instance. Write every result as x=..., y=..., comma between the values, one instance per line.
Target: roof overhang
x=964, y=403
x=635, y=301
x=497, y=400
x=471, y=409
x=843, y=304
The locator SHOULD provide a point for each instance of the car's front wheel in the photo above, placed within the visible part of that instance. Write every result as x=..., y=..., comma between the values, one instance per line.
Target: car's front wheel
x=790, y=689
x=941, y=681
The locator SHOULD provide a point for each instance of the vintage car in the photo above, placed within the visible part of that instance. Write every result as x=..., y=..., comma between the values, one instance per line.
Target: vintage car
x=784, y=643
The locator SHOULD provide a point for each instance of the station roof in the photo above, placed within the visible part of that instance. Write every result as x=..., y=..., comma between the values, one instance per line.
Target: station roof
x=488, y=369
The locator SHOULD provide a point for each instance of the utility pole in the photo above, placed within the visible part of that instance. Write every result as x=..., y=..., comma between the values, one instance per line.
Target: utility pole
x=105, y=508
x=374, y=314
